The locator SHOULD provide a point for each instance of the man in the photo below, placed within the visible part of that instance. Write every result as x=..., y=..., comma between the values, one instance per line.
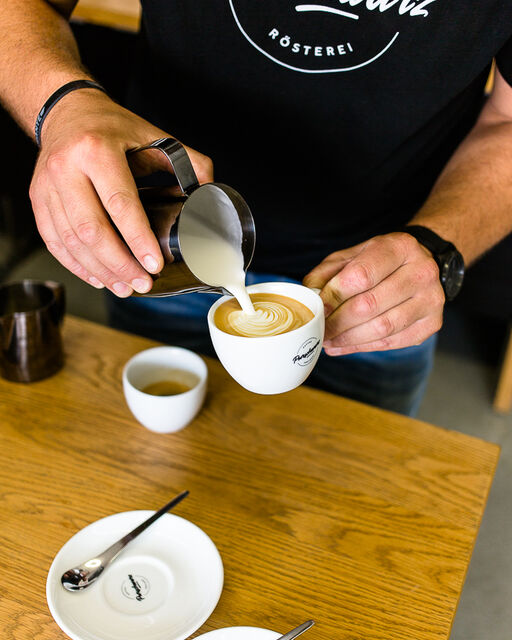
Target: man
x=339, y=123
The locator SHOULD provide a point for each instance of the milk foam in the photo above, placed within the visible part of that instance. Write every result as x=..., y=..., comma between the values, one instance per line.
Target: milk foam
x=211, y=242
x=269, y=319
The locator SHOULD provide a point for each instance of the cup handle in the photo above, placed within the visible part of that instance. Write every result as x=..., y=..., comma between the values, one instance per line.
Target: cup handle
x=178, y=159
x=60, y=298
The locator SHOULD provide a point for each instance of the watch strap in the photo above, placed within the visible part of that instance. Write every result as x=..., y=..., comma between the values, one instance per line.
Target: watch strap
x=443, y=253
x=429, y=239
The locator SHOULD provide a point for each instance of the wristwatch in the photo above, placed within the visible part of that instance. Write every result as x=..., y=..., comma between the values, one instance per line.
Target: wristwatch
x=448, y=259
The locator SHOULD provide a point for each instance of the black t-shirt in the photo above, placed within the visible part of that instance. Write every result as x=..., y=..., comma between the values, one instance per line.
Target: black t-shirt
x=333, y=120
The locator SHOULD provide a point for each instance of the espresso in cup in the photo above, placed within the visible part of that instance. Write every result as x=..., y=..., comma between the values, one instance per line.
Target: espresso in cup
x=275, y=314
x=172, y=383
x=165, y=387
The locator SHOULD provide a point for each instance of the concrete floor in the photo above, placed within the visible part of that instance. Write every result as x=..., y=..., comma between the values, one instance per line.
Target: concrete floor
x=458, y=397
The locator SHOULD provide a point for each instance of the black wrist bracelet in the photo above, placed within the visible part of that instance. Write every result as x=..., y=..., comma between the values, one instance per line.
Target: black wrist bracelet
x=56, y=96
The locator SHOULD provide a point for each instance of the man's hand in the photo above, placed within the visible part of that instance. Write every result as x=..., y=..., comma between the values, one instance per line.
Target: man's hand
x=382, y=294
x=82, y=187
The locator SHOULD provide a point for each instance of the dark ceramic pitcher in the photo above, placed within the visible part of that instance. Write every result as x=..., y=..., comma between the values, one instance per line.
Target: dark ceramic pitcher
x=31, y=314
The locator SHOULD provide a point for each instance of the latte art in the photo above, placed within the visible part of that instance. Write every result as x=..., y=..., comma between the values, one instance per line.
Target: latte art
x=270, y=319
x=275, y=314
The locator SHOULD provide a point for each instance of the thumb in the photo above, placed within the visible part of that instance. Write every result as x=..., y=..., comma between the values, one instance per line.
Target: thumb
x=318, y=277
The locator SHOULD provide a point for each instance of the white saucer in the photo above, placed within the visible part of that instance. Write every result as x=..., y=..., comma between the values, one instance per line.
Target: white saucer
x=240, y=633
x=163, y=586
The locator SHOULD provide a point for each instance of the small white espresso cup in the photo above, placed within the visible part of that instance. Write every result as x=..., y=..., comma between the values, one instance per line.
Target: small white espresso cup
x=272, y=364
x=165, y=414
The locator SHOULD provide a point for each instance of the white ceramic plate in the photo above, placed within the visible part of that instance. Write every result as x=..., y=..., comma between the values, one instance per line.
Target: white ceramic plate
x=240, y=633
x=163, y=586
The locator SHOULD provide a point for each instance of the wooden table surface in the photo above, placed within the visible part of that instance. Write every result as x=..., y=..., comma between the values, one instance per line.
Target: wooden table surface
x=321, y=507
x=119, y=14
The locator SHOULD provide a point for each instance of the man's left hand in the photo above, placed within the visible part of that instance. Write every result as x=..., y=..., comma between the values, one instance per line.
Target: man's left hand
x=382, y=294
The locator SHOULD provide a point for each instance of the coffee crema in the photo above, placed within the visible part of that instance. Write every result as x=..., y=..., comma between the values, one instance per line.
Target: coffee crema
x=171, y=382
x=275, y=314
x=166, y=388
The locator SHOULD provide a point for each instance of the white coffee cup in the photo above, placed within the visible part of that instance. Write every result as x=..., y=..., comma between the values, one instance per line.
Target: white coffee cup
x=165, y=414
x=272, y=364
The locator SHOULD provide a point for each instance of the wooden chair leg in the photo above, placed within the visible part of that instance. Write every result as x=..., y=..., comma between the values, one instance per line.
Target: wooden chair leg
x=503, y=397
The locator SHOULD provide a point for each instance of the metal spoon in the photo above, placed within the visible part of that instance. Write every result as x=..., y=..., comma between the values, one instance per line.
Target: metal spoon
x=88, y=572
x=297, y=631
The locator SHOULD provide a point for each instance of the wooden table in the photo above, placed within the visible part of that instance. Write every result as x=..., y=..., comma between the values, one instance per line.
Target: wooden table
x=320, y=507
x=119, y=14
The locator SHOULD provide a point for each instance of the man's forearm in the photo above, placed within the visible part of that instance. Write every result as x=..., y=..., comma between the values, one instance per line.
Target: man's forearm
x=471, y=203
x=38, y=54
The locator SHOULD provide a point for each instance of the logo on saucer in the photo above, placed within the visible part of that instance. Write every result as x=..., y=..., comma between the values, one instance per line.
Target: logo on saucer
x=306, y=352
x=135, y=587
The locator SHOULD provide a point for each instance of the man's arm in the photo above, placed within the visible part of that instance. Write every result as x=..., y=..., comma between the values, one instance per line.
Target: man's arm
x=82, y=184
x=38, y=53
x=471, y=202
x=385, y=293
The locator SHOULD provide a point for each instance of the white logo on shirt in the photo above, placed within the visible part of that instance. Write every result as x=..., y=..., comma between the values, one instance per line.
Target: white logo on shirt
x=346, y=45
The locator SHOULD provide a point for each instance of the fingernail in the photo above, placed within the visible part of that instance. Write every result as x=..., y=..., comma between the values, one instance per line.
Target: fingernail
x=121, y=289
x=150, y=263
x=96, y=283
x=141, y=285
x=327, y=344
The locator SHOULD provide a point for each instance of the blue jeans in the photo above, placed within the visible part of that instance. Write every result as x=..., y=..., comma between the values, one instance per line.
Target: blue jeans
x=394, y=380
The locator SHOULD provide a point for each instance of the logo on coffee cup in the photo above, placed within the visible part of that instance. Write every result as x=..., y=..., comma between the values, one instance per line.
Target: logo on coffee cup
x=135, y=587
x=306, y=352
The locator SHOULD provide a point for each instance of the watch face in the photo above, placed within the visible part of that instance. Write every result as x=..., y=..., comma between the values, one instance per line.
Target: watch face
x=452, y=274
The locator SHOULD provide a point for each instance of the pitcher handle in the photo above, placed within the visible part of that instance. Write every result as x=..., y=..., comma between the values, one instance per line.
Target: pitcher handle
x=179, y=160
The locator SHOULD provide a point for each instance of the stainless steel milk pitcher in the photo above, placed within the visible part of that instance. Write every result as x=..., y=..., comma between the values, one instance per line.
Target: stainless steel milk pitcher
x=223, y=208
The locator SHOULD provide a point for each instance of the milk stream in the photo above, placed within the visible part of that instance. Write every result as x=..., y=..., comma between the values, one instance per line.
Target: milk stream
x=212, y=247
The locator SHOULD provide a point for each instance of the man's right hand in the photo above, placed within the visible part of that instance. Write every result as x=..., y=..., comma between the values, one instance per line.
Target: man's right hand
x=82, y=185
